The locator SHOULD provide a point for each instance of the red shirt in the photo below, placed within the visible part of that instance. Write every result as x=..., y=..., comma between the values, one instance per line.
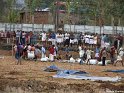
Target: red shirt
x=112, y=52
x=51, y=49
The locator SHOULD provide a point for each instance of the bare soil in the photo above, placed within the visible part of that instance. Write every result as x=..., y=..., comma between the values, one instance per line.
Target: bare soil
x=30, y=77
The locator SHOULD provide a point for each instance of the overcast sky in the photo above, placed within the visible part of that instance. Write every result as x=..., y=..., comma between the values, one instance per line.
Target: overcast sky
x=20, y=1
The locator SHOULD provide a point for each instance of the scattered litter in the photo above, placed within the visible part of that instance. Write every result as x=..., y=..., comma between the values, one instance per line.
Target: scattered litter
x=31, y=54
x=92, y=61
x=72, y=60
x=44, y=59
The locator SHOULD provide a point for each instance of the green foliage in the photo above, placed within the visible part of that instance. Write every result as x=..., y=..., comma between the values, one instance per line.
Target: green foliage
x=86, y=9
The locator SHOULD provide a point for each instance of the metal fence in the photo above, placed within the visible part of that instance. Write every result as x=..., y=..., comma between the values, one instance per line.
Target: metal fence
x=68, y=28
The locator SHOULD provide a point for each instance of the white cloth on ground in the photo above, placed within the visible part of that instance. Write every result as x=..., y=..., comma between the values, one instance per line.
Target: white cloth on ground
x=51, y=57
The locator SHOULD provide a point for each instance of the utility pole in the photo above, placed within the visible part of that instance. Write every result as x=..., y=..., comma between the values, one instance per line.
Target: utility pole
x=56, y=15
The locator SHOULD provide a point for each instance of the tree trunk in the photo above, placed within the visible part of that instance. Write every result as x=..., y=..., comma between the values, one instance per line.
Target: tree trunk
x=100, y=30
x=119, y=24
x=21, y=26
x=33, y=22
x=122, y=30
x=112, y=24
x=42, y=26
x=119, y=21
x=95, y=24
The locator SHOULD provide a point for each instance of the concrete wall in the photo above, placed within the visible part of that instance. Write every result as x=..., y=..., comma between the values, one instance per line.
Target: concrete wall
x=46, y=27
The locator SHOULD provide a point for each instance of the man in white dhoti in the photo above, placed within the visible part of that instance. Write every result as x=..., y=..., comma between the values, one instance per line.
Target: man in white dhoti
x=91, y=40
x=87, y=39
x=66, y=42
x=37, y=52
x=44, y=37
x=88, y=53
x=95, y=40
x=81, y=54
x=120, y=57
x=43, y=52
x=58, y=38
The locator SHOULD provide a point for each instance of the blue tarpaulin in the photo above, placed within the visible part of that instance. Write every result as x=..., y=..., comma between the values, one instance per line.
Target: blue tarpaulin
x=73, y=74
x=116, y=71
x=82, y=75
x=52, y=68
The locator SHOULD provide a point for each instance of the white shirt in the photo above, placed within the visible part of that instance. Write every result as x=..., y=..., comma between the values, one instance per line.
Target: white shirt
x=67, y=36
x=17, y=34
x=15, y=48
x=43, y=36
x=2, y=34
x=23, y=35
x=79, y=48
x=29, y=47
x=121, y=53
x=81, y=53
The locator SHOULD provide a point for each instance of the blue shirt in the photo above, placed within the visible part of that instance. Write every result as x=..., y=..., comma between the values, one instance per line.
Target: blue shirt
x=97, y=50
x=53, y=36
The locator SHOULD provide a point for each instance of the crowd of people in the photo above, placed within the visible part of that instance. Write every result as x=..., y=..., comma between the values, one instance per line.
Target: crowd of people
x=89, y=46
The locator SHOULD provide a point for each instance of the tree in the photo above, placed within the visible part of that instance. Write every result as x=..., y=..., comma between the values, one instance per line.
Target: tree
x=2, y=9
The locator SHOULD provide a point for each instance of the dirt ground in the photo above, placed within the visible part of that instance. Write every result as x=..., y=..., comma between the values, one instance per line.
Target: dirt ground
x=30, y=77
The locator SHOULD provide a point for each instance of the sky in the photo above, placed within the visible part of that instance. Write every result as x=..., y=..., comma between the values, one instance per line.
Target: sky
x=20, y=1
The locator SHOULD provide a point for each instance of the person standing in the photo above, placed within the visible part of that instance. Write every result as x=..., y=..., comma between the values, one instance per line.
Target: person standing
x=79, y=37
x=43, y=52
x=103, y=55
x=30, y=37
x=8, y=37
x=23, y=37
x=88, y=53
x=37, y=52
x=18, y=53
x=113, y=54
x=71, y=39
x=81, y=54
x=95, y=40
x=44, y=37
x=18, y=35
x=120, y=56
x=55, y=50
x=67, y=52
x=66, y=39
x=97, y=53
x=51, y=53
x=53, y=37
